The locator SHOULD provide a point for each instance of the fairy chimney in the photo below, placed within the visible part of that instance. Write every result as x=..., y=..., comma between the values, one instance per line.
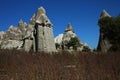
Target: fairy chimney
x=103, y=44
x=44, y=38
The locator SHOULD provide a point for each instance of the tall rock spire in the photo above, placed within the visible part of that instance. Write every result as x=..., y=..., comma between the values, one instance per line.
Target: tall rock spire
x=104, y=43
x=69, y=33
x=32, y=20
x=39, y=35
x=41, y=17
x=20, y=21
x=104, y=14
x=69, y=28
x=41, y=11
x=44, y=36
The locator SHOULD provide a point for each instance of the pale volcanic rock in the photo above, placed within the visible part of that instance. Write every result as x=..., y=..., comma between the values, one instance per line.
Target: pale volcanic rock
x=58, y=39
x=68, y=34
x=39, y=34
x=104, y=14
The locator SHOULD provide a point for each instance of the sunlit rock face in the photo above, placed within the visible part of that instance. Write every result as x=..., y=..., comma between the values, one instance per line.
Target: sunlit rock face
x=58, y=39
x=12, y=38
x=39, y=34
x=35, y=36
x=2, y=35
x=104, y=14
x=68, y=34
x=14, y=33
x=10, y=44
x=44, y=38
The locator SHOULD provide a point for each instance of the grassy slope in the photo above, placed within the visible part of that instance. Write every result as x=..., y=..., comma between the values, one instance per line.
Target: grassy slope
x=16, y=65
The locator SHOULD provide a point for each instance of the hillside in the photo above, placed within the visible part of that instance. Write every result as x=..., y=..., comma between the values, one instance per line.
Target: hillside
x=18, y=65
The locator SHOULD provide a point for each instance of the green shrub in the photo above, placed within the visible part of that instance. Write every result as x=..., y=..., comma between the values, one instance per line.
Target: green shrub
x=74, y=42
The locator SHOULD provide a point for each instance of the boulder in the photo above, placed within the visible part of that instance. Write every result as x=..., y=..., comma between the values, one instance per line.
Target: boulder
x=10, y=44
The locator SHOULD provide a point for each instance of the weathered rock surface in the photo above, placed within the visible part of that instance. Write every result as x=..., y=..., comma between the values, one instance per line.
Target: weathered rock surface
x=104, y=14
x=69, y=33
x=11, y=39
x=58, y=39
x=28, y=38
x=37, y=35
x=44, y=38
x=22, y=26
x=2, y=35
x=10, y=44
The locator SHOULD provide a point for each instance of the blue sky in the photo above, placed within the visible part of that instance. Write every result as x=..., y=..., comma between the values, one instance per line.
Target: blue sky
x=82, y=14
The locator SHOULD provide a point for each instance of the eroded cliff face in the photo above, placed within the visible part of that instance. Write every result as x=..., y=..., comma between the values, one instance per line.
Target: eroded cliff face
x=37, y=35
x=104, y=43
x=12, y=38
x=44, y=37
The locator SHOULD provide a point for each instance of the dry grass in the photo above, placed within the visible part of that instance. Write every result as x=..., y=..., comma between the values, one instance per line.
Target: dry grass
x=18, y=65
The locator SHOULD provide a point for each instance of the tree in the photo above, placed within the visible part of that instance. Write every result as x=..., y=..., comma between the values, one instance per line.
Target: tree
x=74, y=42
x=57, y=45
x=111, y=29
x=86, y=49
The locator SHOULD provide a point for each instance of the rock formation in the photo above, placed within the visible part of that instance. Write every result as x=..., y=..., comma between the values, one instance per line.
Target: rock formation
x=22, y=26
x=28, y=38
x=68, y=34
x=104, y=14
x=44, y=39
x=63, y=39
x=58, y=39
x=37, y=35
x=103, y=44
x=12, y=38
x=2, y=35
